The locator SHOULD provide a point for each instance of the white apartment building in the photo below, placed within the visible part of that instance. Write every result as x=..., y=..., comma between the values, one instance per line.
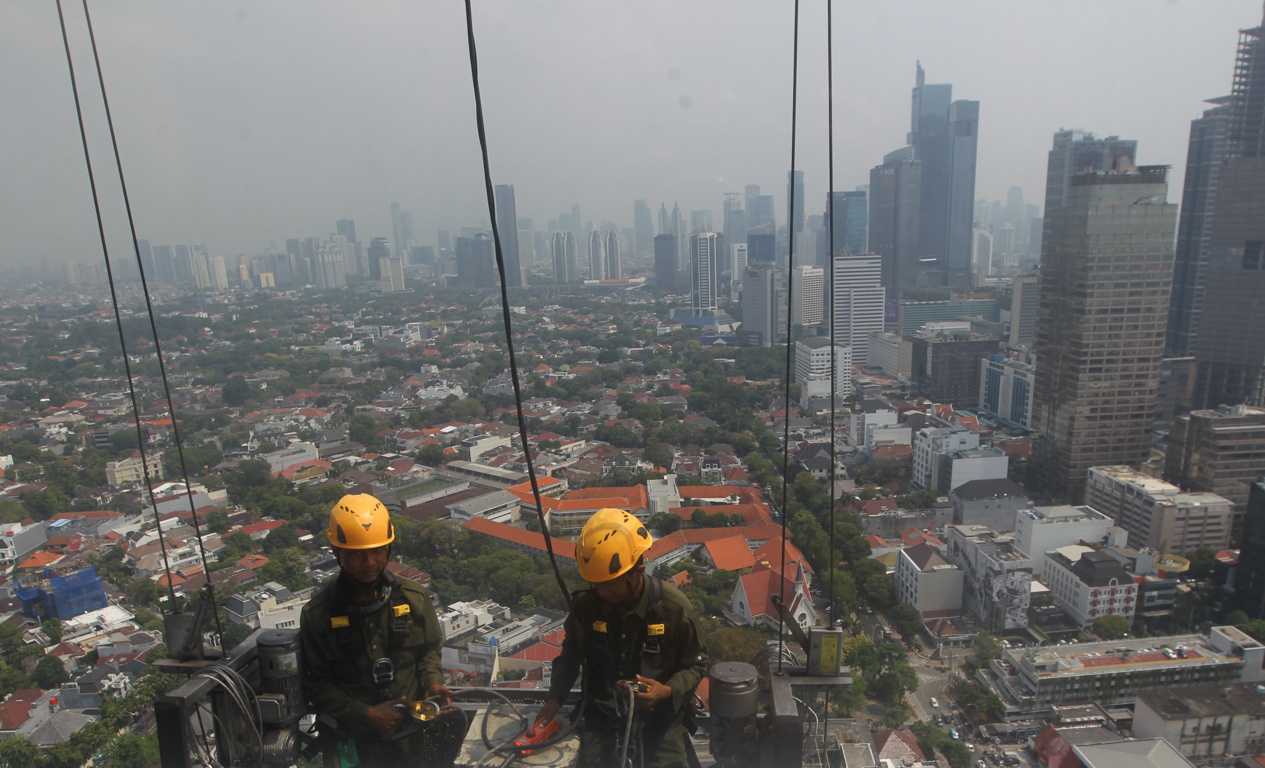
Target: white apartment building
x=931, y=443
x=1089, y=584
x=928, y=583
x=812, y=368
x=1041, y=529
x=808, y=297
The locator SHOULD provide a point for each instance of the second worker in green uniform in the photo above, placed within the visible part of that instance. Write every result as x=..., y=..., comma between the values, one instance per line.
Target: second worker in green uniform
x=628, y=630
x=371, y=647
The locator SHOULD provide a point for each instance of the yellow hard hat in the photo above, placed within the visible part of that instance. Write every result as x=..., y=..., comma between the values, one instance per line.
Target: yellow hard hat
x=359, y=521
x=610, y=544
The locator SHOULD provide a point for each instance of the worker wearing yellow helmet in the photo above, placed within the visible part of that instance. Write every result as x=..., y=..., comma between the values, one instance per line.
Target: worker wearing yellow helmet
x=628, y=632
x=371, y=647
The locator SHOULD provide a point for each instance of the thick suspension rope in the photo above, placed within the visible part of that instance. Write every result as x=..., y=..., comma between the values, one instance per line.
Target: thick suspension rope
x=153, y=327
x=790, y=290
x=505, y=304
x=114, y=300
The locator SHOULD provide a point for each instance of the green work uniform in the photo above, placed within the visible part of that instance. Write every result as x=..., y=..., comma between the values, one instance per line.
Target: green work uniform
x=344, y=674
x=656, y=637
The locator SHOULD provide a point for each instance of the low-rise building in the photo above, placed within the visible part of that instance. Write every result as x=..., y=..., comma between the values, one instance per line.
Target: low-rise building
x=1204, y=721
x=993, y=503
x=1030, y=681
x=295, y=453
x=928, y=583
x=961, y=467
x=1089, y=584
x=497, y=506
x=1041, y=529
x=128, y=470
x=462, y=617
x=933, y=443
x=17, y=541
x=1158, y=514
x=997, y=576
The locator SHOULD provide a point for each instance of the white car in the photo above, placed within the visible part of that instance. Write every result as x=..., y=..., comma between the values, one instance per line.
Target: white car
x=934, y=704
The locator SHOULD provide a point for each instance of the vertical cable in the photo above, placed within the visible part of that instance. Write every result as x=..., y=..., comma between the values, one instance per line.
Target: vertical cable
x=114, y=299
x=153, y=326
x=505, y=303
x=790, y=291
x=830, y=197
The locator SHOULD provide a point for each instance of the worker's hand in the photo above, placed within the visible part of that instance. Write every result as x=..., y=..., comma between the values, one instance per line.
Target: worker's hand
x=386, y=717
x=441, y=692
x=546, y=715
x=653, y=693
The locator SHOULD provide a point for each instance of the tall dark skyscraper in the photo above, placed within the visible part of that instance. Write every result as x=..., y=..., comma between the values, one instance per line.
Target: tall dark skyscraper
x=476, y=262
x=761, y=249
x=943, y=134
x=963, y=141
x=895, y=197
x=643, y=229
x=379, y=252
x=346, y=228
x=1106, y=271
x=666, y=261
x=795, y=183
x=851, y=217
x=760, y=213
x=1077, y=152
x=733, y=220
x=1205, y=154
x=1228, y=343
x=507, y=226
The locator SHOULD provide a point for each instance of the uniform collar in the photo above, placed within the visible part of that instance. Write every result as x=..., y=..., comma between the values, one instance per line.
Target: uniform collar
x=642, y=606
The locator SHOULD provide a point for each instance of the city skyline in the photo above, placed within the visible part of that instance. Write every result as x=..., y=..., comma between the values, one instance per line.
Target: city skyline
x=232, y=172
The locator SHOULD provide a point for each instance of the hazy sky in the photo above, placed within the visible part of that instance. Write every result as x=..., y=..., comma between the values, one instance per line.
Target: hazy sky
x=242, y=123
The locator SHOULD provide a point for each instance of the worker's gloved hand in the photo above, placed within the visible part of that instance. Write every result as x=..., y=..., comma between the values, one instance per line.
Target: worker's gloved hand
x=386, y=717
x=441, y=692
x=649, y=692
x=546, y=715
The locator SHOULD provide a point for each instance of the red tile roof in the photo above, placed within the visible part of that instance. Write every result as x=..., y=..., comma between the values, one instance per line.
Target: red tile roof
x=519, y=536
x=631, y=497
x=730, y=553
x=253, y=561
x=546, y=649
x=261, y=526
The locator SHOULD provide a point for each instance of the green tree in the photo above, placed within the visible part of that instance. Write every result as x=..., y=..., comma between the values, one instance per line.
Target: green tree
x=1110, y=627
x=133, y=750
x=11, y=511
x=363, y=429
x=985, y=649
x=217, y=521
x=49, y=673
x=236, y=392
x=281, y=538
x=44, y=504
x=288, y=567
x=431, y=455
x=659, y=454
x=52, y=628
x=18, y=753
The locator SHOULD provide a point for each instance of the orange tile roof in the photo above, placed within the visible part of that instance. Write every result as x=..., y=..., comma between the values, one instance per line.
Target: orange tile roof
x=730, y=553
x=751, y=514
x=40, y=559
x=771, y=552
x=633, y=496
x=523, y=490
x=519, y=536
